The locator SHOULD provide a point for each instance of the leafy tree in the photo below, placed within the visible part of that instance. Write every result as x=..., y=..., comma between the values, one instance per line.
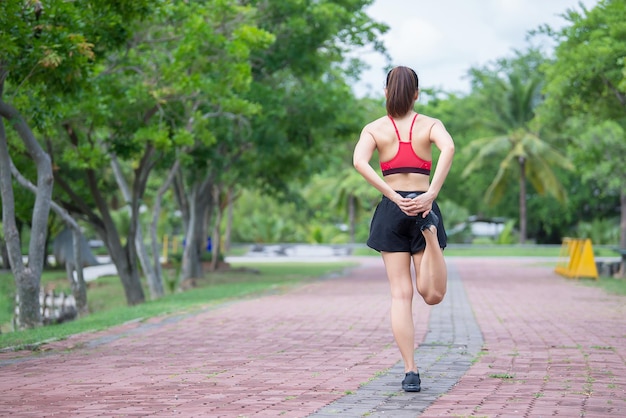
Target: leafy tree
x=45, y=53
x=300, y=87
x=461, y=116
x=150, y=108
x=512, y=91
x=215, y=113
x=586, y=81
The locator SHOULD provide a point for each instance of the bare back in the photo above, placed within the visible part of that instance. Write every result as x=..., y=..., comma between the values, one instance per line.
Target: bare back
x=387, y=144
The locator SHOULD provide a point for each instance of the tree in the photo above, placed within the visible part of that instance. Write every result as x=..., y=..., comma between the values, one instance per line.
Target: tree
x=211, y=106
x=586, y=90
x=299, y=84
x=512, y=91
x=79, y=288
x=46, y=52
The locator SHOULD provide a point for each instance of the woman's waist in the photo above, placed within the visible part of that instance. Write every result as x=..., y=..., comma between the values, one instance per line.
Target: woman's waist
x=405, y=193
x=408, y=182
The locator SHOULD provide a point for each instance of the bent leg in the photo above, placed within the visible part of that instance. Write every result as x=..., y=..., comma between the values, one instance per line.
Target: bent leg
x=430, y=268
x=398, y=266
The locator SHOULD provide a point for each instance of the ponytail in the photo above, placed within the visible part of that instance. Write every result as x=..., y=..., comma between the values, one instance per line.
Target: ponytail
x=402, y=84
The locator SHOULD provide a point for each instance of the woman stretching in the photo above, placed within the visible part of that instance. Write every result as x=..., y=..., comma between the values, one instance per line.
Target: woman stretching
x=407, y=224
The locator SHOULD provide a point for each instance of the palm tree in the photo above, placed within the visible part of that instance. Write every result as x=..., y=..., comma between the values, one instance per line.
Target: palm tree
x=522, y=152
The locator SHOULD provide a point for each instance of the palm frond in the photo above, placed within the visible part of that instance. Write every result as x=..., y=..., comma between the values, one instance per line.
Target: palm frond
x=484, y=149
x=542, y=178
x=498, y=186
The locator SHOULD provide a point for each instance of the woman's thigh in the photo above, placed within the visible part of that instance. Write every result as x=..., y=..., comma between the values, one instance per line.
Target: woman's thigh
x=398, y=267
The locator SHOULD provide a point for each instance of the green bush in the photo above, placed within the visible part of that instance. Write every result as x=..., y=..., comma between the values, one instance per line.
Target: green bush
x=600, y=231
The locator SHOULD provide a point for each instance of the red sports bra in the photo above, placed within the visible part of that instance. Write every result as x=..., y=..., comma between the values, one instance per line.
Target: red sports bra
x=406, y=160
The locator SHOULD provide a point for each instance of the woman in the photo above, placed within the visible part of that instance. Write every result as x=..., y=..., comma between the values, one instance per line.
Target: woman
x=407, y=224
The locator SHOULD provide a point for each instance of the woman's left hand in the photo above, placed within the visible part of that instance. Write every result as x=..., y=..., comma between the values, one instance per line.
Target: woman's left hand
x=423, y=204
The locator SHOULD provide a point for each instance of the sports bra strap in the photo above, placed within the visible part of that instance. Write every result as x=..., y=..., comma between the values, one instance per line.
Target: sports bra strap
x=398, y=132
x=411, y=131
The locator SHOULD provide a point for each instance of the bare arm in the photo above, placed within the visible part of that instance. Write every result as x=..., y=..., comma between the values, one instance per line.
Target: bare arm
x=363, y=152
x=442, y=140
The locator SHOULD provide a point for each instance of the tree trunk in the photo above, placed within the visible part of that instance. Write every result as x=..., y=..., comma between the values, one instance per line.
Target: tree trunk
x=522, y=200
x=182, y=199
x=229, y=220
x=124, y=257
x=195, y=238
x=4, y=254
x=156, y=289
x=192, y=264
x=27, y=279
x=156, y=213
x=79, y=288
x=29, y=307
x=216, y=238
x=46, y=246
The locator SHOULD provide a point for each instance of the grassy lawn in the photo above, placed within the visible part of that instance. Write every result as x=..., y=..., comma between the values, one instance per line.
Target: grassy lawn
x=609, y=284
x=108, y=307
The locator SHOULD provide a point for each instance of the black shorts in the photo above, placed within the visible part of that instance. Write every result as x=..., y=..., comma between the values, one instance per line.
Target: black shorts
x=392, y=230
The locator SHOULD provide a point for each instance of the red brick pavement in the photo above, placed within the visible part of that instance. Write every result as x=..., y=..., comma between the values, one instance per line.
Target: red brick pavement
x=281, y=355
x=553, y=347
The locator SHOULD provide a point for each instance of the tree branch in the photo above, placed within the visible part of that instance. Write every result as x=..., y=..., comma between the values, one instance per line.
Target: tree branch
x=621, y=98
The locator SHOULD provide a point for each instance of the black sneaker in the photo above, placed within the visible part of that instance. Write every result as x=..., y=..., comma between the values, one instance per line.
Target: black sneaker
x=428, y=221
x=412, y=382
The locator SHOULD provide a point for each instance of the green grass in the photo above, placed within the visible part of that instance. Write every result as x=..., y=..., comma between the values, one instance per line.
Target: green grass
x=609, y=284
x=501, y=251
x=108, y=306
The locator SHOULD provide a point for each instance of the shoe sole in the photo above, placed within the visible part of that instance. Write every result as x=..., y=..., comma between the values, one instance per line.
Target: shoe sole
x=411, y=388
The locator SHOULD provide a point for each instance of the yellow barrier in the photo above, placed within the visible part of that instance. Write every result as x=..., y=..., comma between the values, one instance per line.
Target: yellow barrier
x=576, y=259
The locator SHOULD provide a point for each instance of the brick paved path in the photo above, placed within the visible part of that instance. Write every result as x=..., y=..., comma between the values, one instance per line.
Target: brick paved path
x=551, y=348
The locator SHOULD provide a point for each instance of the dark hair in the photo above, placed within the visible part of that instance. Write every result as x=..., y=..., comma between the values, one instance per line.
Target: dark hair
x=402, y=83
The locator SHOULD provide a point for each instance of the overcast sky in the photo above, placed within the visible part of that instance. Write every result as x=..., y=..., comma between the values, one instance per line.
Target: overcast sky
x=443, y=39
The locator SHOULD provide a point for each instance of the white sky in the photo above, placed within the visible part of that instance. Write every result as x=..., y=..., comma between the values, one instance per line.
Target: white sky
x=443, y=39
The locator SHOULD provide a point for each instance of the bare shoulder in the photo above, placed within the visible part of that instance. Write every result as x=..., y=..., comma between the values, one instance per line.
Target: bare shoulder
x=429, y=121
x=438, y=134
x=376, y=124
x=377, y=127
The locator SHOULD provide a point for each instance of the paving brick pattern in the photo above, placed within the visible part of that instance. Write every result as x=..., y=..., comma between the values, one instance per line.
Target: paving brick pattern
x=536, y=345
x=451, y=344
x=279, y=355
x=553, y=347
